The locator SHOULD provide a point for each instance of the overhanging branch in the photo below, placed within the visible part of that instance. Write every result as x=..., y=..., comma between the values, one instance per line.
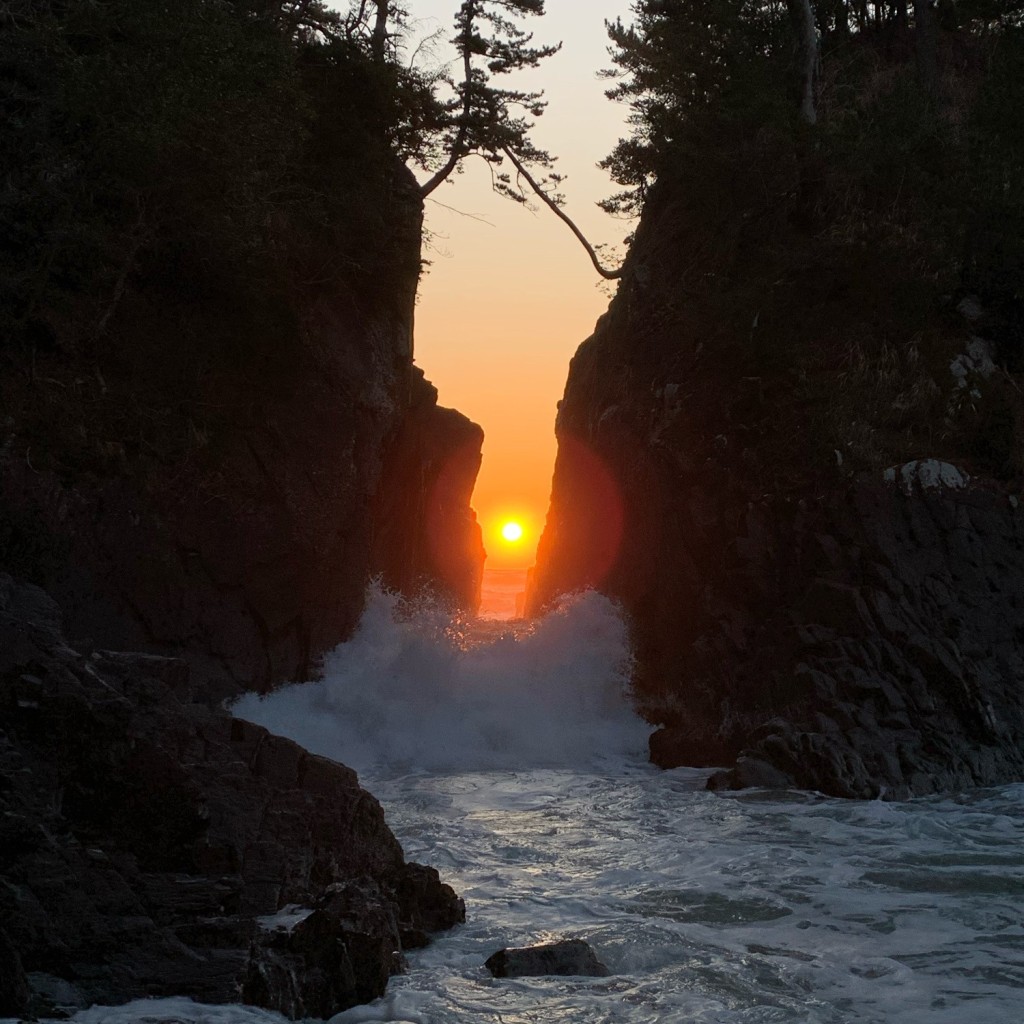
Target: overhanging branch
x=608, y=275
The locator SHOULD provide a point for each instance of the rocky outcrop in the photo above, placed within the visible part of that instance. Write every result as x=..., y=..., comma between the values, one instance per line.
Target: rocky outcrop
x=153, y=845
x=210, y=483
x=426, y=535
x=799, y=620
x=568, y=958
x=870, y=649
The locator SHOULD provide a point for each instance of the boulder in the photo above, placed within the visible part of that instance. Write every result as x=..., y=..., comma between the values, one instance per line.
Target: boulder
x=570, y=957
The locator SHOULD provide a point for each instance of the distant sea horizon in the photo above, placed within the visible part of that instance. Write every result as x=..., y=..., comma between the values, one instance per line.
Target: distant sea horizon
x=502, y=593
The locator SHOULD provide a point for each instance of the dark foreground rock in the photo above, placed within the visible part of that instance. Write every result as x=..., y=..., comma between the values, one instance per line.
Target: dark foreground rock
x=572, y=957
x=152, y=845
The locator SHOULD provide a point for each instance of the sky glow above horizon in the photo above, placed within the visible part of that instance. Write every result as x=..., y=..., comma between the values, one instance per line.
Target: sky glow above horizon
x=509, y=293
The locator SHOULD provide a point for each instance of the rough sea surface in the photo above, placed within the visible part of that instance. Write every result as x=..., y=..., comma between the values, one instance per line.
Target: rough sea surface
x=508, y=757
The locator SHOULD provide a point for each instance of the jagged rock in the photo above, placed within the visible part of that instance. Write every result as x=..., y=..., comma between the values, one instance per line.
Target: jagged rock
x=896, y=674
x=425, y=904
x=145, y=838
x=569, y=957
x=341, y=954
x=429, y=474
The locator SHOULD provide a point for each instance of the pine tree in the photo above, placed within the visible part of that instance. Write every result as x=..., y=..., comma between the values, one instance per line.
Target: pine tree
x=483, y=118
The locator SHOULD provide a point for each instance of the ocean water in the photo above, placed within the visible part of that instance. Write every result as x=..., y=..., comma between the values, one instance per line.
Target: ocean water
x=507, y=755
x=503, y=593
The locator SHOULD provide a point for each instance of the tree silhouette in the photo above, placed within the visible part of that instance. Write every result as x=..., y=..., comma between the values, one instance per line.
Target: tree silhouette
x=481, y=118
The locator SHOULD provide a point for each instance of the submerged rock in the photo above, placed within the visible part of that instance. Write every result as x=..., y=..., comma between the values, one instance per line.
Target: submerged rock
x=148, y=844
x=569, y=957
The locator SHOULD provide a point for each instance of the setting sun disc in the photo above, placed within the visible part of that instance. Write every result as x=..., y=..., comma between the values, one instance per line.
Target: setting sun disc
x=512, y=532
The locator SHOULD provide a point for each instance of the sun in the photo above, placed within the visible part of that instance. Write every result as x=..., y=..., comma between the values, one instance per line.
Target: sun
x=512, y=532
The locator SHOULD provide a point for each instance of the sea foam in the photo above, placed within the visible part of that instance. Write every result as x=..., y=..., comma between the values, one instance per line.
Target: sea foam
x=415, y=688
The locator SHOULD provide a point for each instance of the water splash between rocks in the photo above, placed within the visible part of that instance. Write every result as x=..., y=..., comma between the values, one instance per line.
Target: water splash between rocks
x=417, y=688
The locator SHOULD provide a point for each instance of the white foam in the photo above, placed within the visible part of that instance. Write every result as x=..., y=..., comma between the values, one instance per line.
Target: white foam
x=176, y=1010
x=414, y=688
x=285, y=919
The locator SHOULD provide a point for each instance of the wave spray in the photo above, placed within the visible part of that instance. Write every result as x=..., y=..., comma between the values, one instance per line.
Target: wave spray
x=415, y=688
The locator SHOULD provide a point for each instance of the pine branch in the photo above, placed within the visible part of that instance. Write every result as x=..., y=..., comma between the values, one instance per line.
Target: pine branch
x=458, y=146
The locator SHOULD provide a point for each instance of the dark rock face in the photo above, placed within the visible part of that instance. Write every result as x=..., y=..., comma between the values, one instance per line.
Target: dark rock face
x=145, y=840
x=570, y=957
x=831, y=631
x=426, y=533
x=216, y=488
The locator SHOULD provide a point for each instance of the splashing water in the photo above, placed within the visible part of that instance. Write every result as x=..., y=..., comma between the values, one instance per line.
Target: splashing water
x=416, y=688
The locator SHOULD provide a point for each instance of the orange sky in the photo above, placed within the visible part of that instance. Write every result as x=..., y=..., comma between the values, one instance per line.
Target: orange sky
x=510, y=294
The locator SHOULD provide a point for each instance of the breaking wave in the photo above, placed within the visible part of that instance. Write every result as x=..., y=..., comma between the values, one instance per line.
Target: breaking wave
x=415, y=688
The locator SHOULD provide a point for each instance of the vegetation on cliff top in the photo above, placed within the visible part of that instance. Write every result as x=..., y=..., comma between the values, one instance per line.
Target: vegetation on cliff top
x=236, y=157
x=821, y=254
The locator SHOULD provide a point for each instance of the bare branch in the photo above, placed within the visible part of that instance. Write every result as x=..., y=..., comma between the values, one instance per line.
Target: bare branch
x=608, y=275
x=462, y=213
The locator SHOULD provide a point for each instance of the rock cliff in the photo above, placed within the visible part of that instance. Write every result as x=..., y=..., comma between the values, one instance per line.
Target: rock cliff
x=212, y=436
x=151, y=844
x=799, y=619
x=222, y=482
x=214, y=485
